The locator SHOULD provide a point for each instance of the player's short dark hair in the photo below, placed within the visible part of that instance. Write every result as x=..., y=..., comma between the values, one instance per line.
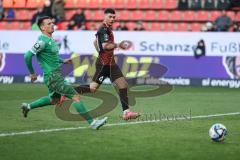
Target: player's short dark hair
x=109, y=10
x=41, y=19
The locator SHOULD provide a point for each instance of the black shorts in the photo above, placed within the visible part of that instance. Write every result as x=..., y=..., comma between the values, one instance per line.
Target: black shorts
x=106, y=71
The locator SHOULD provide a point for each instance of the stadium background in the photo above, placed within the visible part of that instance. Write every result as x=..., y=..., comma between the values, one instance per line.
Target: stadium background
x=157, y=15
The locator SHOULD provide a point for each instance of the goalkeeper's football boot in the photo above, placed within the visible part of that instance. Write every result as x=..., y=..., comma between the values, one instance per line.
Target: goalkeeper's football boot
x=127, y=115
x=25, y=109
x=97, y=123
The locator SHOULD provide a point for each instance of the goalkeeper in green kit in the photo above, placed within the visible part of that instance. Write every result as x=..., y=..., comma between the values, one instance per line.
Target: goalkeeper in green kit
x=46, y=51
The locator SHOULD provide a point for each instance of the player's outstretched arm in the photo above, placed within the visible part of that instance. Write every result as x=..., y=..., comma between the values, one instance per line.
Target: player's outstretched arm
x=28, y=61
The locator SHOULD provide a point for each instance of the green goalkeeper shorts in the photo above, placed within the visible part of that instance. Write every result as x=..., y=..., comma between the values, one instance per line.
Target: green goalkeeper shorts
x=58, y=87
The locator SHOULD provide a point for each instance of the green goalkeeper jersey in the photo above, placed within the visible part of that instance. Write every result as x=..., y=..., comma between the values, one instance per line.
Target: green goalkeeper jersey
x=47, y=53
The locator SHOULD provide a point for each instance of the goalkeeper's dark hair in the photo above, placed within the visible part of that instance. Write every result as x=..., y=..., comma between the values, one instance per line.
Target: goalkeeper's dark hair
x=41, y=19
x=109, y=10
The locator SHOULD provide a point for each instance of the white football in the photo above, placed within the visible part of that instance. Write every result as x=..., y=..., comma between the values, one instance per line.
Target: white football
x=218, y=132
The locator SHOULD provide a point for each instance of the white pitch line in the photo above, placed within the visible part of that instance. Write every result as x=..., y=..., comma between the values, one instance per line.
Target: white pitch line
x=114, y=124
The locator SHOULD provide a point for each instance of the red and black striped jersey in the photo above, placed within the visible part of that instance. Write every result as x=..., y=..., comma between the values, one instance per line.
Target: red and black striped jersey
x=105, y=35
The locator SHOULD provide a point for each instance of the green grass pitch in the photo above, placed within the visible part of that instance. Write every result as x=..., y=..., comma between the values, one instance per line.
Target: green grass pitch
x=177, y=139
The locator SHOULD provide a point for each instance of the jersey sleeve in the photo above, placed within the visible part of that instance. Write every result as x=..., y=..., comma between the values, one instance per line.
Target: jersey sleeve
x=28, y=61
x=38, y=47
x=101, y=37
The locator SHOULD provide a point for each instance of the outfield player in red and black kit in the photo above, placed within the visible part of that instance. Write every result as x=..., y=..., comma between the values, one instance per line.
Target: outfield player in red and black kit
x=106, y=66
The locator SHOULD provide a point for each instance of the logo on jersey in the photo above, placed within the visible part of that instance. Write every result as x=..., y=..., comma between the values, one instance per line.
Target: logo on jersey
x=36, y=46
x=106, y=37
x=101, y=78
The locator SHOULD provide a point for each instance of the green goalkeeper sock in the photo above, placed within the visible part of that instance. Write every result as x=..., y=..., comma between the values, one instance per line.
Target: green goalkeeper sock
x=44, y=101
x=79, y=106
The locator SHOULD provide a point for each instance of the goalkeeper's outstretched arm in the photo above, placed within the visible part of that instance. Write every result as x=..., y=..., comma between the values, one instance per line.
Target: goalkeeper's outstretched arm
x=28, y=61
